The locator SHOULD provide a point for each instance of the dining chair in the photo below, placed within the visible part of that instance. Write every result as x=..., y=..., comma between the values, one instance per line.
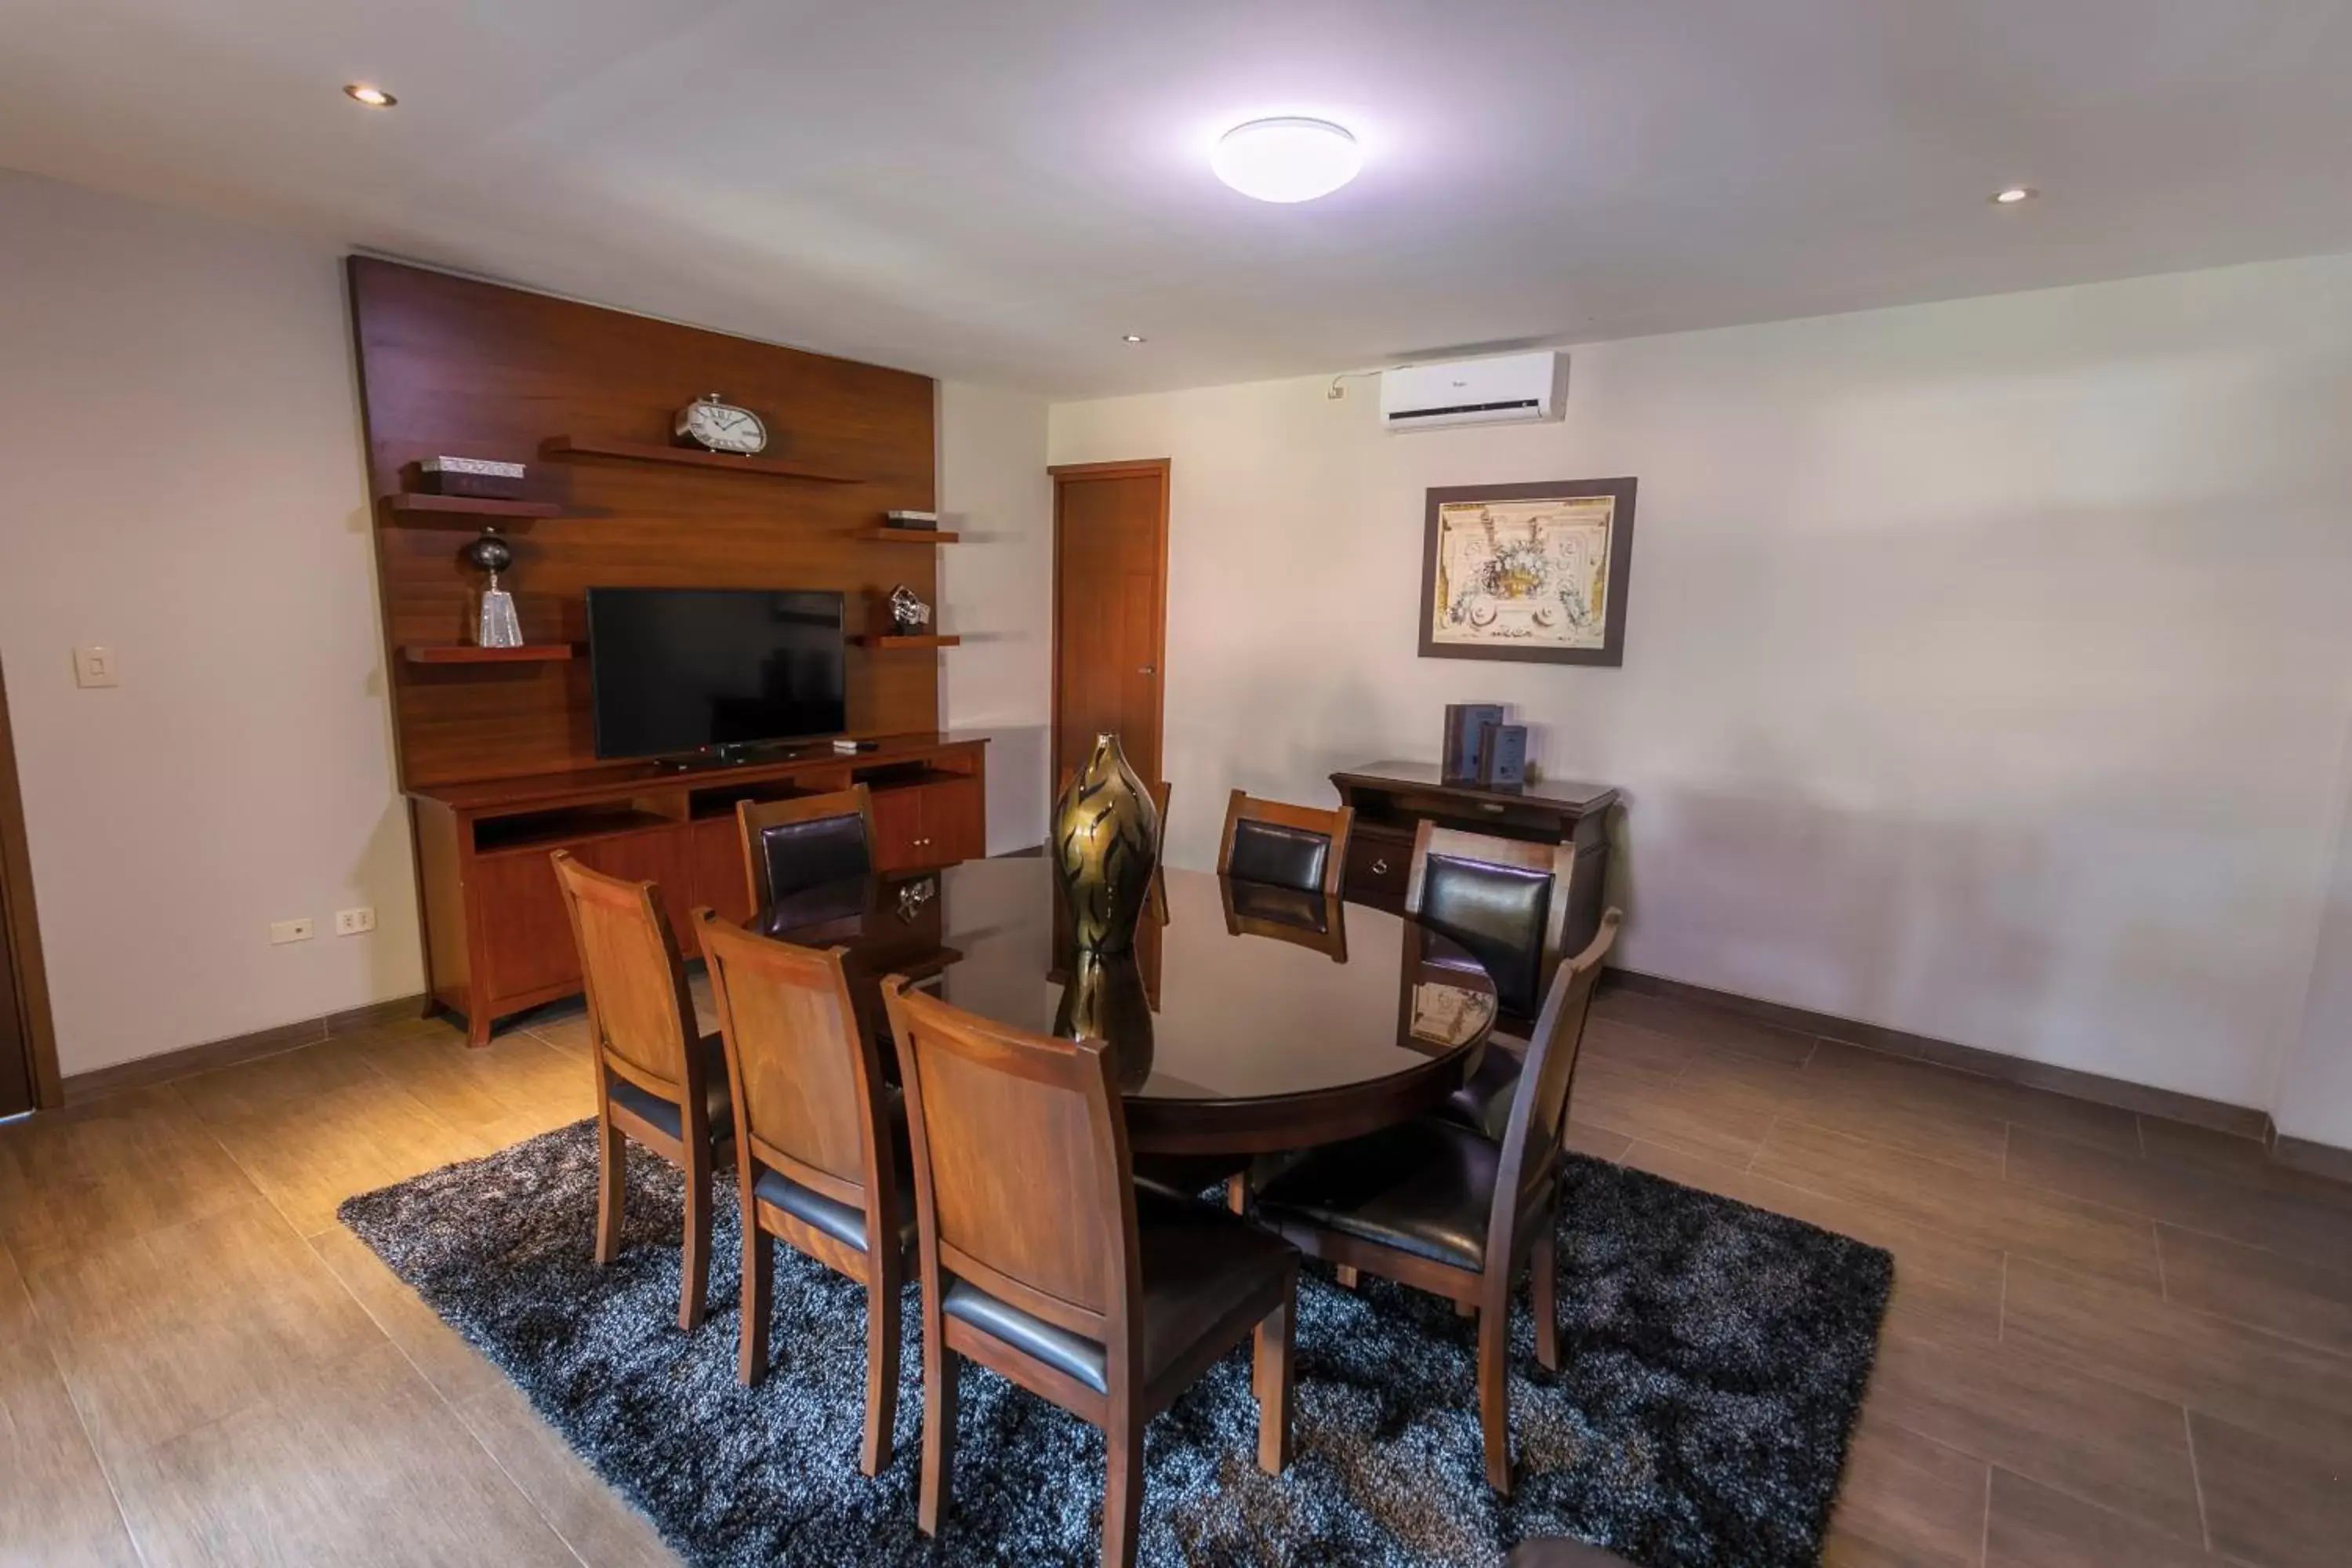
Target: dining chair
x=1315, y=920
x=1043, y=1261
x=790, y=845
x=1504, y=900
x=820, y=1146
x=1285, y=846
x=659, y=1080
x=1445, y=1208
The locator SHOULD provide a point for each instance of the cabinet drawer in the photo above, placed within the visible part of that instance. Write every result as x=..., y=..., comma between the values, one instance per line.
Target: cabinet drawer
x=1378, y=865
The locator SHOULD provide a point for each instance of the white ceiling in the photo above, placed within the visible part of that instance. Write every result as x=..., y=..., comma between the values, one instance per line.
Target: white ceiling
x=997, y=189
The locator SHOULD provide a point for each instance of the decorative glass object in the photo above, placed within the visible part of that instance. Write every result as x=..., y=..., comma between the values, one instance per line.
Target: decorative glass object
x=1105, y=847
x=498, y=626
x=908, y=615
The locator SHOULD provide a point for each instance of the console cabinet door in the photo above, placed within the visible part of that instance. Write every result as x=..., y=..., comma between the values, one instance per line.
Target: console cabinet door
x=529, y=944
x=898, y=828
x=955, y=822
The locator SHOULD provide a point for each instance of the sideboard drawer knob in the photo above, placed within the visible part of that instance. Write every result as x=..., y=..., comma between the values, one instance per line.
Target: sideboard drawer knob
x=1380, y=867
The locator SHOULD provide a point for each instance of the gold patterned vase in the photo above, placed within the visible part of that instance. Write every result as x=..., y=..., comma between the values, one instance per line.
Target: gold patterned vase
x=1105, y=846
x=1104, y=998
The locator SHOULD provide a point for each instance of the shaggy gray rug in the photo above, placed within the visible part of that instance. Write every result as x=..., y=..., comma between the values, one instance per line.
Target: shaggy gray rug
x=1714, y=1356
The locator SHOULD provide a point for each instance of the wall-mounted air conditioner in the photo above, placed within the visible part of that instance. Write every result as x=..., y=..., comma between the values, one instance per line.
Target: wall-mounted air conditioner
x=1505, y=390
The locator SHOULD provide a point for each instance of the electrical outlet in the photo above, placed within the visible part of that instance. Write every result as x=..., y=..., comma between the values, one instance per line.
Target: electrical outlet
x=284, y=931
x=354, y=923
x=94, y=666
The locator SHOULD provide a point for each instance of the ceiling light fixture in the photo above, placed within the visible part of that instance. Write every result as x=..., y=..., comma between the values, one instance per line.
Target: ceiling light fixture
x=373, y=97
x=1130, y=337
x=2014, y=195
x=1286, y=159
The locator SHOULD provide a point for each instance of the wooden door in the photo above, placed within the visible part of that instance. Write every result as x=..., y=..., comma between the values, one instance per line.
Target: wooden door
x=28, y=1062
x=1111, y=610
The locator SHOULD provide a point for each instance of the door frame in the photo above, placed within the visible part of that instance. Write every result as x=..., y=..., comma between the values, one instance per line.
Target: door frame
x=20, y=944
x=1129, y=468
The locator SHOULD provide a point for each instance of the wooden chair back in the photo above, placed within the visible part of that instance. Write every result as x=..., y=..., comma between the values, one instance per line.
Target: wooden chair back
x=754, y=818
x=1023, y=1180
x=1453, y=870
x=1319, y=920
x=1538, y=1130
x=808, y=1089
x=1244, y=812
x=640, y=1013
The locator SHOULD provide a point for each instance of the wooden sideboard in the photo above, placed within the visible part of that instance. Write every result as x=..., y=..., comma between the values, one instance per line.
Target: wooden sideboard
x=498, y=938
x=1393, y=799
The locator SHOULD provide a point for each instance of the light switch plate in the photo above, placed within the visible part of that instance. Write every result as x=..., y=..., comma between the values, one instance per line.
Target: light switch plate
x=94, y=666
x=354, y=923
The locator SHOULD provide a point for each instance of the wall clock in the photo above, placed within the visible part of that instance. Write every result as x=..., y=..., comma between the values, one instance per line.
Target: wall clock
x=721, y=426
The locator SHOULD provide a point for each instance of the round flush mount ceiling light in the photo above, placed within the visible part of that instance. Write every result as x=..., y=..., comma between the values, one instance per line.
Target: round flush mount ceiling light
x=1288, y=159
x=372, y=96
x=2014, y=195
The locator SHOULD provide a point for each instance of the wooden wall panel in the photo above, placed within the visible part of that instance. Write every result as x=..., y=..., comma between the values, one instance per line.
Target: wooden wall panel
x=451, y=366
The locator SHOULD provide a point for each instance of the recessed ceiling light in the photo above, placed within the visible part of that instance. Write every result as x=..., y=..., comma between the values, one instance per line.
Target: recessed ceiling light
x=1286, y=159
x=2014, y=195
x=1130, y=337
x=373, y=97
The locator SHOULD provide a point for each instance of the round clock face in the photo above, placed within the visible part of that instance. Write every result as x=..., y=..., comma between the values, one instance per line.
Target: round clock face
x=723, y=427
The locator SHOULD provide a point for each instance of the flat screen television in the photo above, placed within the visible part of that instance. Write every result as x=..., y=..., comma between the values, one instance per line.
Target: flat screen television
x=687, y=670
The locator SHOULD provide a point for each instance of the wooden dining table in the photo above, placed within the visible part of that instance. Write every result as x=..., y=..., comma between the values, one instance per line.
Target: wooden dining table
x=1246, y=1020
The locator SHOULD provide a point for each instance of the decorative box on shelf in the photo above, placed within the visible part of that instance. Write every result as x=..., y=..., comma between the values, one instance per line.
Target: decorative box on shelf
x=478, y=479
x=925, y=521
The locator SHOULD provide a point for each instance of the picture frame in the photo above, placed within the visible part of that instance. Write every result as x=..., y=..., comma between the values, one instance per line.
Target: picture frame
x=1511, y=572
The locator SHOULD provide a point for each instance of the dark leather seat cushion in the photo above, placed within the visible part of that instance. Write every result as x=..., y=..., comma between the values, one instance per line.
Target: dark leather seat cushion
x=1281, y=906
x=804, y=854
x=1498, y=913
x=1198, y=1261
x=717, y=1101
x=1279, y=856
x=1425, y=1187
x=839, y=1220
x=1483, y=1104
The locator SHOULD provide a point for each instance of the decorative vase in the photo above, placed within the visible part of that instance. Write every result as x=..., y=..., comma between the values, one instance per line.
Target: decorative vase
x=1105, y=846
x=1105, y=999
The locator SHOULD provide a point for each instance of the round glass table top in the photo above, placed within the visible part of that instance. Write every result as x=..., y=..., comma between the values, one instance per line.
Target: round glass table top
x=1248, y=1019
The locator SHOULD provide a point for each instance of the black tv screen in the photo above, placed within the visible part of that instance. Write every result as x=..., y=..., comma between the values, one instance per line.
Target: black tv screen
x=678, y=669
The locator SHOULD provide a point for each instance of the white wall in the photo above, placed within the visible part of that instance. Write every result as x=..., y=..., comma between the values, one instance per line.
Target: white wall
x=179, y=433
x=997, y=594
x=1986, y=663
x=2314, y=1097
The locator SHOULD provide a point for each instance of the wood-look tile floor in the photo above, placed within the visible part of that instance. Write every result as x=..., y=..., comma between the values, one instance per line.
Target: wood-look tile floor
x=2114, y=1340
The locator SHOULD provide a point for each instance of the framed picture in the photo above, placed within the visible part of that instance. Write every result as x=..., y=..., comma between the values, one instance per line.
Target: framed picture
x=1531, y=571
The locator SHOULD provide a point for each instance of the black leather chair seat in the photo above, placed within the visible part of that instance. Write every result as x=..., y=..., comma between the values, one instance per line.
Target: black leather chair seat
x=840, y=1221
x=1198, y=1262
x=1483, y=1104
x=1279, y=856
x=804, y=854
x=1280, y=906
x=718, y=1103
x=1426, y=1187
x=1498, y=913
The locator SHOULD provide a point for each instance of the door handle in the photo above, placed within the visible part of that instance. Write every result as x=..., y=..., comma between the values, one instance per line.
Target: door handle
x=1148, y=669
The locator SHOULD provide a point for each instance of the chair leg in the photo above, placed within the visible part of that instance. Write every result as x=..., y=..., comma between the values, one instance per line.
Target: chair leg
x=1543, y=1296
x=1494, y=1393
x=612, y=1188
x=940, y=1366
x=1122, y=1489
x=1346, y=1275
x=1237, y=1192
x=881, y=1370
x=759, y=1258
x=1270, y=1379
x=694, y=1286
x=1466, y=1308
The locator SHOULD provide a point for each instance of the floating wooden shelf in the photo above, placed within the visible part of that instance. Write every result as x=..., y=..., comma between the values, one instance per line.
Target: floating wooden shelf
x=570, y=449
x=895, y=641
x=424, y=511
x=466, y=653
x=908, y=535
